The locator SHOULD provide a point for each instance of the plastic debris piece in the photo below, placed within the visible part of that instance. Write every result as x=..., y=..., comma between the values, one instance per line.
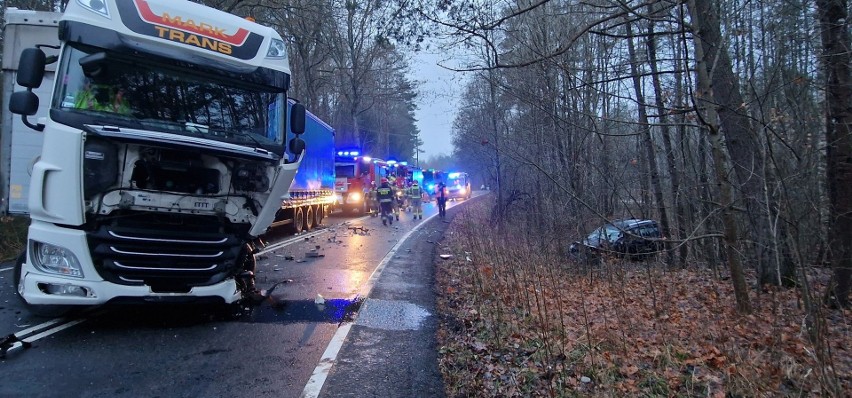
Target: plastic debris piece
x=289, y=258
x=320, y=300
x=446, y=256
x=585, y=379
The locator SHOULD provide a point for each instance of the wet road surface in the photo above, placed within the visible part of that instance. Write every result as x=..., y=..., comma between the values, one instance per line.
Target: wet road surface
x=349, y=313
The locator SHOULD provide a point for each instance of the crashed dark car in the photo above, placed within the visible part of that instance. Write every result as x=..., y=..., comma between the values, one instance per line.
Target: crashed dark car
x=631, y=237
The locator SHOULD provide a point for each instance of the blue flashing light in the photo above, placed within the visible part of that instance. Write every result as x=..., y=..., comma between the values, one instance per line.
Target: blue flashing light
x=391, y=161
x=453, y=176
x=348, y=152
x=404, y=163
x=368, y=159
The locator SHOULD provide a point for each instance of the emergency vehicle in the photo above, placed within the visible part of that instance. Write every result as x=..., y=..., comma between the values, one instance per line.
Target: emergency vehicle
x=354, y=175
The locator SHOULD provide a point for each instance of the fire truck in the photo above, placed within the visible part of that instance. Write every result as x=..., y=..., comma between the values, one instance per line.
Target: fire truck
x=354, y=174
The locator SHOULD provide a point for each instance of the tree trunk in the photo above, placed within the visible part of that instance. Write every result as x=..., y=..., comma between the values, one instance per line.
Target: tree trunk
x=674, y=174
x=711, y=119
x=836, y=49
x=649, y=144
x=742, y=143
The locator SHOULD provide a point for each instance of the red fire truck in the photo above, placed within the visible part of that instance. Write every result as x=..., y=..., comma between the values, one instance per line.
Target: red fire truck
x=354, y=174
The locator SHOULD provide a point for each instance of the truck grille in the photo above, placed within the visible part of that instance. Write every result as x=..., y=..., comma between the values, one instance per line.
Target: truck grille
x=168, y=261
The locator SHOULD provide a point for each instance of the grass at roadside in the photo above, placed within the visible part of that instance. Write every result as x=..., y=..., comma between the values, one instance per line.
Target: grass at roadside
x=518, y=321
x=13, y=236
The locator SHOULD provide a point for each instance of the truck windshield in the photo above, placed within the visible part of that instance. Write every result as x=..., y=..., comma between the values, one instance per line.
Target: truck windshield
x=345, y=170
x=169, y=100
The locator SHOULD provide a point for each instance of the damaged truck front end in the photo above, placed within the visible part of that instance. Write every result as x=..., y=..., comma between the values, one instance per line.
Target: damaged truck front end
x=162, y=162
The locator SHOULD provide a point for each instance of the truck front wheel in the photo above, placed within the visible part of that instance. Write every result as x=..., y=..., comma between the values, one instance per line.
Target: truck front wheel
x=46, y=311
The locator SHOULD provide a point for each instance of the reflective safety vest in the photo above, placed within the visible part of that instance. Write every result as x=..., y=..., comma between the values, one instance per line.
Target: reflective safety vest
x=116, y=102
x=414, y=192
x=385, y=194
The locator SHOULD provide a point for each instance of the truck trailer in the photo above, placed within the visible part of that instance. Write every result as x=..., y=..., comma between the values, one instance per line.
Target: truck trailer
x=158, y=154
x=312, y=195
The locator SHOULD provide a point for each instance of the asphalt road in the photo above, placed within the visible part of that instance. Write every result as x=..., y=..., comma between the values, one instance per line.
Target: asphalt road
x=372, y=335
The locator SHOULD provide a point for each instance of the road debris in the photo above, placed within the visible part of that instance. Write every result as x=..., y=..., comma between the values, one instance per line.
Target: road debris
x=356, y=228
x=446, y=256
x=6, y=343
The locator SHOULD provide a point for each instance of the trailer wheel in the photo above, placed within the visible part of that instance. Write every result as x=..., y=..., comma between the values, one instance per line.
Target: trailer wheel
x=298, y=220
x=320, y=214
x=309, y=218
x=45, y=311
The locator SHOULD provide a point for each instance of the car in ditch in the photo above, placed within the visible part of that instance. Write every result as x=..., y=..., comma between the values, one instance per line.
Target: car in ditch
x=628, y=237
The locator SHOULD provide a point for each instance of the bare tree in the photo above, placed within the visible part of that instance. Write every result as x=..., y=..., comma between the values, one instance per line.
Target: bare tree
x=834, y=27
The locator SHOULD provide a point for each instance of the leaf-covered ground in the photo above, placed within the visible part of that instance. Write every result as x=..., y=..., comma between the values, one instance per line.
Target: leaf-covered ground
x=517, y=321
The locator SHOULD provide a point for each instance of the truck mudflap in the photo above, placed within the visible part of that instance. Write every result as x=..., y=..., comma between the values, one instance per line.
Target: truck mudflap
x=283, y=178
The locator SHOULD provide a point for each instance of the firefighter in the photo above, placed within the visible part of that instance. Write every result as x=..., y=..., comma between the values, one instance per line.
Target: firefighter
x=398, y=197
x=385, y=196
x=441, y=196
x=372, y=200
x=415, y=197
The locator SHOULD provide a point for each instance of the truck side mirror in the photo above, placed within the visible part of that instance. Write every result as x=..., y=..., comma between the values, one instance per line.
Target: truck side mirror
x=31, y=68
x=23, y=103
x=297, y=119
x=30, y=75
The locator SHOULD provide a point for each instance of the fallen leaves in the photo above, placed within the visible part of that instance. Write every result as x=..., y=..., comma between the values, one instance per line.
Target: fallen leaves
x=519, y=323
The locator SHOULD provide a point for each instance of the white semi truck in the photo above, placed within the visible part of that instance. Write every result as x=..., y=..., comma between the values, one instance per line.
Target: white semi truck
x=160, y=153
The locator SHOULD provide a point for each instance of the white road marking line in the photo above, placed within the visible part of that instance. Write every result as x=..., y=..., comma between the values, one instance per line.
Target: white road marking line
x=38, y=327
x=300, y=238
x=323, y=368
x=315, y=383
x=51, y=331
x=45, y=333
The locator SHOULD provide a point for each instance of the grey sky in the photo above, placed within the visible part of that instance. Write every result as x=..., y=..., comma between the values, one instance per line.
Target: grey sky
x=439, y=92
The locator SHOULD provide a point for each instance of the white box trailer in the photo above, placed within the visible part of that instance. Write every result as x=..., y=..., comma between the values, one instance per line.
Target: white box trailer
x=20, y=146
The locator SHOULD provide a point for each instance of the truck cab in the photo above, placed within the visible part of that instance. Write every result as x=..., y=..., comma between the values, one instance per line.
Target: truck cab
x=164, y=153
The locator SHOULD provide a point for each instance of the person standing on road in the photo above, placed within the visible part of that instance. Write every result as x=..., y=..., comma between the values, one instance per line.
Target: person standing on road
x=441, y=197
x=372, y=200
x=415, y=196
x=385, y=195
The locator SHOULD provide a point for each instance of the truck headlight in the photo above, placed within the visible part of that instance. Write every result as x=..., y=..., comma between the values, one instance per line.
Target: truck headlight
x=52, y=259
x=355, y=197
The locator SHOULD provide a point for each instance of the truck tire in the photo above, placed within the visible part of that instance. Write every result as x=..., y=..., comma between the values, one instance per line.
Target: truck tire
x=309, y=218
x=298, y=220
x=320, y=215
x=44, y=311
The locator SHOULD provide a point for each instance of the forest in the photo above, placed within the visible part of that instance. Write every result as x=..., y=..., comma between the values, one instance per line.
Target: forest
x=726, y=121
